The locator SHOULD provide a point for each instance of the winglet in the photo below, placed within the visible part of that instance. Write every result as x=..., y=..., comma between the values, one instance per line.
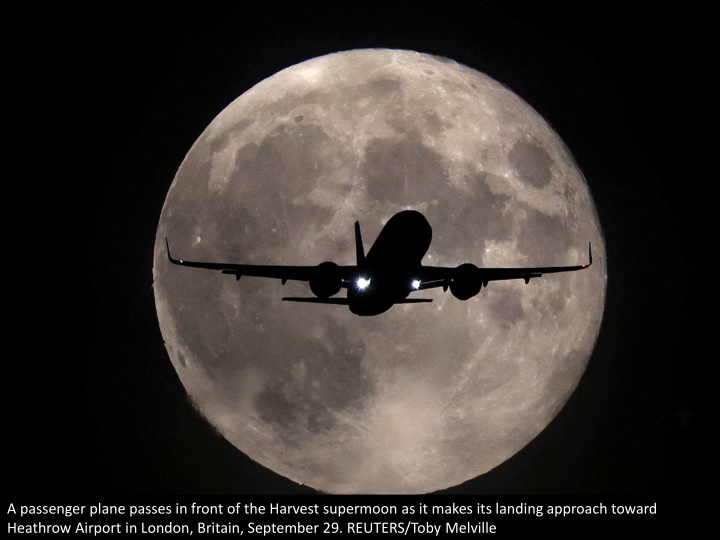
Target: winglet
x=359, y=249
x=174, y=261
x=589, y=255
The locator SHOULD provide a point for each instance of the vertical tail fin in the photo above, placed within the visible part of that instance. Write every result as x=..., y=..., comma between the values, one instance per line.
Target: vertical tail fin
x=359, y=249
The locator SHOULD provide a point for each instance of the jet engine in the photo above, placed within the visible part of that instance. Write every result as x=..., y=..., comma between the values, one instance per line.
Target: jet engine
x=466, y=282
x=327, y=280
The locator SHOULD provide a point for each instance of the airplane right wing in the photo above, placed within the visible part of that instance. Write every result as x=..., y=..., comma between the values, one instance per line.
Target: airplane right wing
x=324, y=272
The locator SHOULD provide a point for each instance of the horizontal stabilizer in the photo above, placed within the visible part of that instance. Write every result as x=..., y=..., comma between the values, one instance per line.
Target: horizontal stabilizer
x=414, y=301
x=313, y=300
x=432, y=284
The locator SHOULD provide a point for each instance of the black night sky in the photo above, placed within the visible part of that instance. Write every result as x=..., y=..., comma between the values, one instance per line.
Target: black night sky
x=115, y=99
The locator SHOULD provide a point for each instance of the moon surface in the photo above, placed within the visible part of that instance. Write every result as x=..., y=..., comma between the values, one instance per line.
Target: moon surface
x=422, y=397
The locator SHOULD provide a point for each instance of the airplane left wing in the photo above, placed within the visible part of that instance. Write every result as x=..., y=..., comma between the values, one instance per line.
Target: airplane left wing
x=283, y=273
x=437, y=276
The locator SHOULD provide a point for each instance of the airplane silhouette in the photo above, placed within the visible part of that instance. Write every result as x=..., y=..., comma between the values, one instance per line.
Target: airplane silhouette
x=390, y=271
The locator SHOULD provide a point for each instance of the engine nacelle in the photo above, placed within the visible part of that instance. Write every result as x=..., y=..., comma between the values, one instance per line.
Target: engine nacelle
x=327, y=280
x=466, y=282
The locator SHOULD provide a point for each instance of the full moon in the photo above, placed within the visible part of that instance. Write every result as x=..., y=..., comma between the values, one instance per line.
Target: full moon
x=424, y=396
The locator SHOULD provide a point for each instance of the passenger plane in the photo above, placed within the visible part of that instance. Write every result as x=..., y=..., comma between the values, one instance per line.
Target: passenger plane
x=388, y=274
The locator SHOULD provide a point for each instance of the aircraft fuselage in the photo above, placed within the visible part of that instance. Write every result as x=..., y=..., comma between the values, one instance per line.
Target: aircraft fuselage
x=391, y=265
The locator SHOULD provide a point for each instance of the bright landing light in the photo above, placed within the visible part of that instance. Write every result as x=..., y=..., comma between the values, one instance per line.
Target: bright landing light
x=362, y=283
x=416, y=284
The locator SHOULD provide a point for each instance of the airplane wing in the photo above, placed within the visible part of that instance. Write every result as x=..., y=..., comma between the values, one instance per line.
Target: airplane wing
x=437, y=276
x=283, y=273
